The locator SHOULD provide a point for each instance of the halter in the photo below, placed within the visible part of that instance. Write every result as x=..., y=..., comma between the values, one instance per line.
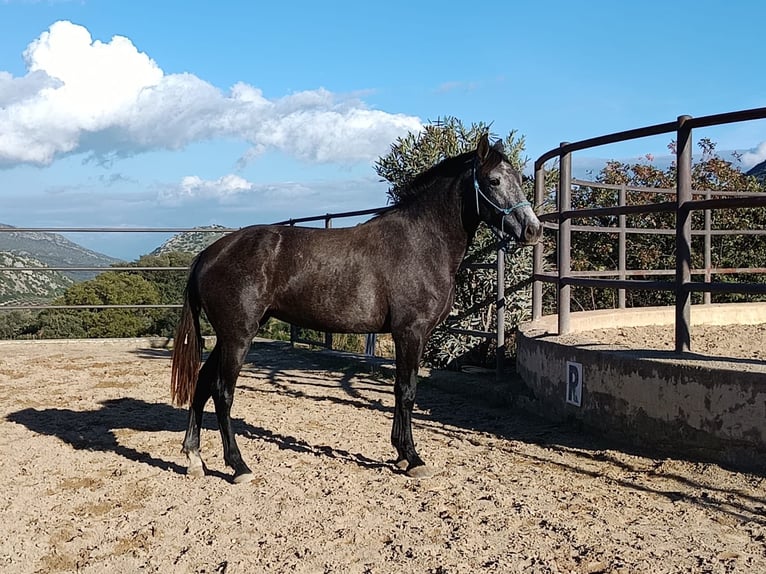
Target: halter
x=503, y=210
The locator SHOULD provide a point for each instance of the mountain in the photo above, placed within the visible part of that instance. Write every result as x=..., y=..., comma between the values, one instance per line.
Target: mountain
x=53, y=250
x=29, y=287
x=191, y=241
x=759, y=171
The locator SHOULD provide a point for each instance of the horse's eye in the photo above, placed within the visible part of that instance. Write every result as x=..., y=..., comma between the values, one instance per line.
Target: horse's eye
x=494, y=181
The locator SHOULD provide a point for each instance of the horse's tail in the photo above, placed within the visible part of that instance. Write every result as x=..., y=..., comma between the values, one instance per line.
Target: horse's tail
x=187, y=346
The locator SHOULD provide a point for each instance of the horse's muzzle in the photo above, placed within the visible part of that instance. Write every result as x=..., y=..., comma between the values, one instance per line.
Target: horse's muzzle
x=524, y=225
x=533, y=231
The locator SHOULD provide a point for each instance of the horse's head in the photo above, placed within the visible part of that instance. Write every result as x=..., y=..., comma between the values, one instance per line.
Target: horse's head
x=500, y=200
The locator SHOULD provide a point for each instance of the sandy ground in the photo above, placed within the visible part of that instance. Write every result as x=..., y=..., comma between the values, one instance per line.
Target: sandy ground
x=93, y=479
x=717, y=341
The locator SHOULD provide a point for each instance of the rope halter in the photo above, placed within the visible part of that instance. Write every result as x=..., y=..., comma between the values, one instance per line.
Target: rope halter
x=503, y=210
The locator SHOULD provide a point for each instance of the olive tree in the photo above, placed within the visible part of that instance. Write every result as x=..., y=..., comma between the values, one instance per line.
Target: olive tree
x=475, y=293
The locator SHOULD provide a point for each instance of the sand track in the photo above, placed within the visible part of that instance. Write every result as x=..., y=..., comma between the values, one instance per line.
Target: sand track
x=93, y=479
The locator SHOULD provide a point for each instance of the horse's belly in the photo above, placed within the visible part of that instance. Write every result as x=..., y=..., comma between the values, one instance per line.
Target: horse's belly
x=327, y=307
x=347, y=322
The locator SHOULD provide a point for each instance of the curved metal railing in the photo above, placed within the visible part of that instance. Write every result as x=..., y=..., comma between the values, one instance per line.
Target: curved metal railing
x=682, y=285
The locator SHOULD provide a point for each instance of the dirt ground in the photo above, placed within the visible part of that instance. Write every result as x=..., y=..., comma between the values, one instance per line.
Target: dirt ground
x=720, y=341
x=93, y=479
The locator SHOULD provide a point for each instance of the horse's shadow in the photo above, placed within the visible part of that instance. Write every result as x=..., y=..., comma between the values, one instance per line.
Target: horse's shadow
x=95, y=430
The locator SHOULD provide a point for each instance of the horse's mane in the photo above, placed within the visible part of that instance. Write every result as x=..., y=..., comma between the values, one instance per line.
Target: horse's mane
x=448, y=167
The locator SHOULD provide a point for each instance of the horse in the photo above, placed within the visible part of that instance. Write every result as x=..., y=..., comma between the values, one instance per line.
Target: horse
x=394, y=273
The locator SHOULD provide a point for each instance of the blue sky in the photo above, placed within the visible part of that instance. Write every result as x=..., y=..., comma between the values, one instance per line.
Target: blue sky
x=182, y=113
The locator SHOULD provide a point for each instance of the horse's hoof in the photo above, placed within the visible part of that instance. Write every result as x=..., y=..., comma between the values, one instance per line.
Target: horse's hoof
x=421, y=471
x=402, y=464
x=196, y=468
x=243, y=478
x=195, y=471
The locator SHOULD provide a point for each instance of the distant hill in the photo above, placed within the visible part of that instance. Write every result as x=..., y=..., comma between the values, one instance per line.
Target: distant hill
x=192, y=241
x=29, y=287
x=53, y=250
x=759, y=171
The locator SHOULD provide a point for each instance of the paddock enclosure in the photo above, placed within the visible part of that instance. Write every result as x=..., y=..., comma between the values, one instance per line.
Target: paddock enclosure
x=93, y=478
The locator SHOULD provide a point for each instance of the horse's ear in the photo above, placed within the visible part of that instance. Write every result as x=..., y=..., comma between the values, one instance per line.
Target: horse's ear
x=499, y=147
x=482, y=148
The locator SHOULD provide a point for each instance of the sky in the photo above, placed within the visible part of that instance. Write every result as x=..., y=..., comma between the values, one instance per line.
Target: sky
x=182, y=113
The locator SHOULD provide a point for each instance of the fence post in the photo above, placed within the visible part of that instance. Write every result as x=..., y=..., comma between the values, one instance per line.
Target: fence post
x=500, y=309
x=683, y=234
x=537, y=250
x=328, y=336
x=623, y=248
x=706, y=298
x=293, y=328
x=565, y=239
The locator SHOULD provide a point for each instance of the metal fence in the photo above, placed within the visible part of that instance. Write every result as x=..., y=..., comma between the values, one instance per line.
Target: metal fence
x=682, y=285
x=327, y=219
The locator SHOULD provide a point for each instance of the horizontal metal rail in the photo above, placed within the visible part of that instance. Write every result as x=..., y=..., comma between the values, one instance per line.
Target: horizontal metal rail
x=116, y=268
x=651, y=231
x=724, y=203
x=627, y=135
x=633, y=284
x=553, y=277
x=344, y=214
x=664, y=207
x=660, y=190
x=117, y=229
x=46, y=307
x=639, y=285
x=730, y=288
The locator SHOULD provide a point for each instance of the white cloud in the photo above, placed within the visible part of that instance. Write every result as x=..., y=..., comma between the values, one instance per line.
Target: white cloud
x=272, y=201
x=229, y=189
x=194, y=187
x=109, y=99
x=15, y=90
x=753, y=158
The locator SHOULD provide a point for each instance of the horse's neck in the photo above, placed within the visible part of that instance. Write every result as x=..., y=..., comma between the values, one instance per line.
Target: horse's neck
x=440, y=211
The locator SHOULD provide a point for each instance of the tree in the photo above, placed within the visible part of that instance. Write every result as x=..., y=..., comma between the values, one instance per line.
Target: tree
x=170, y=285
x=16, y=324
x=476, y=288
x=109, y=288
x=139, y=287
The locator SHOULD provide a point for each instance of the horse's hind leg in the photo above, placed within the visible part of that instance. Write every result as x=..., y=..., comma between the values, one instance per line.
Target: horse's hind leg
x=233, y=353
x=202, y=392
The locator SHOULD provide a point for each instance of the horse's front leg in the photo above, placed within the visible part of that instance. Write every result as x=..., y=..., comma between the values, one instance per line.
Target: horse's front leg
x=409, y=348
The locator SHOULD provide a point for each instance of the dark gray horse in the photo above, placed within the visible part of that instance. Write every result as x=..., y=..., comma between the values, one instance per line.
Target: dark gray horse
x=393, y=274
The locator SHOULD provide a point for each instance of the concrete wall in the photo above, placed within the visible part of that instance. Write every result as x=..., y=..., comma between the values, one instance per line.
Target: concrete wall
x=705, y=408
